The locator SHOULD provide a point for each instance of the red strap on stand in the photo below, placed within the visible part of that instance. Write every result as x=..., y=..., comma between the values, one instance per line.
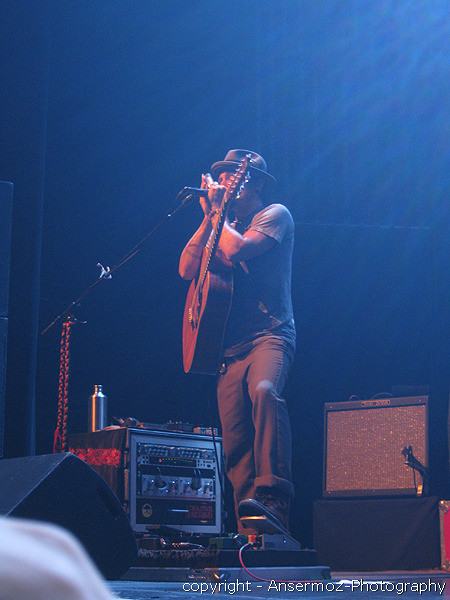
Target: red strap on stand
x=60, y=436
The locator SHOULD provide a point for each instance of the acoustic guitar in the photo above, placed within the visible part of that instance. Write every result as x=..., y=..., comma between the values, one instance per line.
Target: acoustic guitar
x=210, y=294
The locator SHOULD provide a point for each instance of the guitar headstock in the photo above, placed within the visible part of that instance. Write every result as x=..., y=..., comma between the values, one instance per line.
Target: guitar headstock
x=239, y=179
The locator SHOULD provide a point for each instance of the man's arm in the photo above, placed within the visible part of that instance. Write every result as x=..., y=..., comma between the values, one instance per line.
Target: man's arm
x=233, y=246
x=191, y=256
x=237, y=247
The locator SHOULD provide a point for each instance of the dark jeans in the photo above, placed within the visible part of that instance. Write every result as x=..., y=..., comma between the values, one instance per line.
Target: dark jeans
x=255, y=421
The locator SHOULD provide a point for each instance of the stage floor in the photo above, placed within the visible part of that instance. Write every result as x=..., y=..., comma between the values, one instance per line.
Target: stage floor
x=406, y=585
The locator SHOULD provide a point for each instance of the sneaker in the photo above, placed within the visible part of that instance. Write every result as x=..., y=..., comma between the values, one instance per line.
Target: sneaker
x=276, y=508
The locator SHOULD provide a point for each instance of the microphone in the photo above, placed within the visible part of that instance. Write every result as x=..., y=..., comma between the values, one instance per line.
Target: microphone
x=198, y=192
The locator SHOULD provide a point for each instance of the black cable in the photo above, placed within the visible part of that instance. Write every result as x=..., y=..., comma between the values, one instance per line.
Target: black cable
x=218, y=461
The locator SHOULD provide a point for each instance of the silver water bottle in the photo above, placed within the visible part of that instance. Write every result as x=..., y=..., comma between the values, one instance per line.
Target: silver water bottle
x=97, y=410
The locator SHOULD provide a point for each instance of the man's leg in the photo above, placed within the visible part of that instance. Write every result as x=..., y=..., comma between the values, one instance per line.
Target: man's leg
x=237, y=431
x=266, y=376
x=265, y=455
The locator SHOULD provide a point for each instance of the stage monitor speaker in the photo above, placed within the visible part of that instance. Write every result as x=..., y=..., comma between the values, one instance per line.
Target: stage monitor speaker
x=6, y=192
x=3, y=338
x=64, y=490
x=367, y=442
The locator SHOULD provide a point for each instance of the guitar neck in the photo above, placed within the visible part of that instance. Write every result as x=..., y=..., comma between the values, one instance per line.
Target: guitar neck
x=215, y=236
x=238, y=181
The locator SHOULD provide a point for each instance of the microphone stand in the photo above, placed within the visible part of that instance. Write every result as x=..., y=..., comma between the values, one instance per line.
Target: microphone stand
x=184, y=198
x=413, y=463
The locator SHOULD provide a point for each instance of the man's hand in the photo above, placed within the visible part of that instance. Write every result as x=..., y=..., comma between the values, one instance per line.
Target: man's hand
x=215, y=194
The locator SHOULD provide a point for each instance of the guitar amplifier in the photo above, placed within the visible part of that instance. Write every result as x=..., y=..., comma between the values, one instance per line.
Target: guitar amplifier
x=173, y=479
x=367, y=444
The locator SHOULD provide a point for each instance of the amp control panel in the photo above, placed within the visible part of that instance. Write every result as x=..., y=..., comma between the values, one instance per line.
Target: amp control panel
x=174, y=481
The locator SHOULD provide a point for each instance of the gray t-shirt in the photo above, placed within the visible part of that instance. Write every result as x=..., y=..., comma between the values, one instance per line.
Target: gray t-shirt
x=262, y=303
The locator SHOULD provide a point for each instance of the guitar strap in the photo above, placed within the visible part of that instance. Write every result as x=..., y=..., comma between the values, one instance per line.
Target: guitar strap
x=241, y=228
x=262, y=307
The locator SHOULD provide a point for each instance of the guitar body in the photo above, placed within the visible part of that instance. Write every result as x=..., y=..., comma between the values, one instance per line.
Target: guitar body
x=203, y=336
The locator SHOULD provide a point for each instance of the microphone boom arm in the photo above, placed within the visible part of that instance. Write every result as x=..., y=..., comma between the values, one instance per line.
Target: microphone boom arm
x=107, y=273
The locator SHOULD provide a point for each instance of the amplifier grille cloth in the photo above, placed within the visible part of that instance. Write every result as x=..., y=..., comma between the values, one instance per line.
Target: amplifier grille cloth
x=364, y=447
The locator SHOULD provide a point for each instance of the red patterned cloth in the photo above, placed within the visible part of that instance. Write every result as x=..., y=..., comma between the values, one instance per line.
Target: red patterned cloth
x=99, y=456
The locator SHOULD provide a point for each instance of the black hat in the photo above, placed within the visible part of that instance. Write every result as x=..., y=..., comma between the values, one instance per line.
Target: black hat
x=257, y=164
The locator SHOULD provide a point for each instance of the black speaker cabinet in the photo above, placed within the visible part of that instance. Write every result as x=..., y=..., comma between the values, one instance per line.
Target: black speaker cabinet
x=365, y=447
x=377, y=534
x=62, y=489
